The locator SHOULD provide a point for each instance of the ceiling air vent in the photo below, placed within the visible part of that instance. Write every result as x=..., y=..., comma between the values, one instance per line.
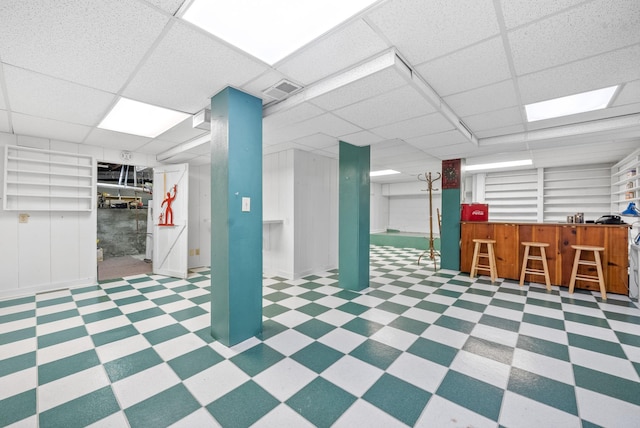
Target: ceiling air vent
x=281, y=90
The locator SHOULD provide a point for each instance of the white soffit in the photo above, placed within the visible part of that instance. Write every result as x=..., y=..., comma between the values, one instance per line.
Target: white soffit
x=4, y=121
x=362, y=138
x=433, y=123
x=629, y=94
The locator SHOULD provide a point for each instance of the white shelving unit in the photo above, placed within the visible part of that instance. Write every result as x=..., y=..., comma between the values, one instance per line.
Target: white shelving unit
x=45, y=180
x=625, y=182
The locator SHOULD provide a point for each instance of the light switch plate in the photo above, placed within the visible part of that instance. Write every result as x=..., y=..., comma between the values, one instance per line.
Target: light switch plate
x=246, y=205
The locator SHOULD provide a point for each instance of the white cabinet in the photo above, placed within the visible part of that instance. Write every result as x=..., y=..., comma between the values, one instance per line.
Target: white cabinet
x=625, y=186
x=45, y=180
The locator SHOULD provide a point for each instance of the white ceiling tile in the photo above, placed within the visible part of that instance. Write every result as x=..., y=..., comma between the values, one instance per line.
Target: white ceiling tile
x=94, y=43
x=494, y=119
x=326, y=123
x=317, y=141
x=424, y=125
x=187, y=68
x=453, y=151
x=609, y=151
x=170, y=6
x=593, y=28
x=3, y=104
x=519, y=12
x=493, y=97
x=40, y=95
x=48, y=128
x=629, y=94
x=376, y=83
x=330, y=152
x=183, y=157
x=597, y=72
x=394, y=106
x=291, y=116
x=4, y=121
x=589, y=116
x=115, y=140
x=469, y=68
x=281, y=147
x=362, y=138
x=335, y=52
x=422, y=30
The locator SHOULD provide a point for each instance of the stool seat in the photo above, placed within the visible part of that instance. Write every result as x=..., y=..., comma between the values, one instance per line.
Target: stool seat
x=542, y=258
x=489, y=255
x=597, y=262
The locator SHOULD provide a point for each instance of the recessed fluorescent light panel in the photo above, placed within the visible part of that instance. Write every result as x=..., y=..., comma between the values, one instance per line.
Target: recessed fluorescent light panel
x=134, y=117
x=383, y=172
x=572, y=104
x=271, y=30
x=497, y=165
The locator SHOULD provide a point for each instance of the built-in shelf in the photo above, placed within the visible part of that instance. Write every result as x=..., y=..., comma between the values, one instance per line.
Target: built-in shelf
x=46, y=180
x=625, y=182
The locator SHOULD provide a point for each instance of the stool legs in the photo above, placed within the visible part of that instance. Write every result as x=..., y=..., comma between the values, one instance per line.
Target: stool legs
x=490, y=254
x=543, y=258
x=577, y=261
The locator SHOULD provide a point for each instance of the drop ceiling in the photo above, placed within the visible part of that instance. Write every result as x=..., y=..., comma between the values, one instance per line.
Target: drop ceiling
x=404, y=76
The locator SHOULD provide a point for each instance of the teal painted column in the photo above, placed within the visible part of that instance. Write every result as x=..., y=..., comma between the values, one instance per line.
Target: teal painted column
x=451, y=197
x=236, y=234
x=354, y=216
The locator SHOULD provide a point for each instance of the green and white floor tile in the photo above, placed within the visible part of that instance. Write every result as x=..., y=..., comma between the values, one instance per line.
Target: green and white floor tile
x=417, y=348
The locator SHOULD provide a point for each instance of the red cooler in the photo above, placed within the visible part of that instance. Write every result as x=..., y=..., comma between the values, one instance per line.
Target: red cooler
x=475, y=212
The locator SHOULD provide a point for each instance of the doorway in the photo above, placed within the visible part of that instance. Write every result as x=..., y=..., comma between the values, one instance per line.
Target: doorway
x=124, y=192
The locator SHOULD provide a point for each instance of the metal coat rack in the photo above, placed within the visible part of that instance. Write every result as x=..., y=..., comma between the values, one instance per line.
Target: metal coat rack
x=426, y=177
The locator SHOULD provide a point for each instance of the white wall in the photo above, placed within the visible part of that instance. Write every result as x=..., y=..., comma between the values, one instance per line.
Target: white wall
x=379, y=209
x=409, y=206
x=277, y=205
x=53, y=249
x=315, y=213
x=300, y=190
x=199, y=216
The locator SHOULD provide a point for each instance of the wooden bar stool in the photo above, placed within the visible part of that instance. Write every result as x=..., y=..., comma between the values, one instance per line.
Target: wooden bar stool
x=577, y=261
x=542, y=257
x=490, y=255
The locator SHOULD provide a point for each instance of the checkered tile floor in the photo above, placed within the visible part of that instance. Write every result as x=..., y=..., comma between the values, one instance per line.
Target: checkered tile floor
x=417, y=348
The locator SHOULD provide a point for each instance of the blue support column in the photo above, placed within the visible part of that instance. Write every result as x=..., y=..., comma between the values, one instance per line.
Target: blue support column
x=354, y=216
x=451, y=197
x=236, y=234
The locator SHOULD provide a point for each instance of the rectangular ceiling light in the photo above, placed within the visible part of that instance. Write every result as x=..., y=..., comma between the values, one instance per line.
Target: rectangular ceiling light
x=270, y=30
x=496, y=165
x=572, y=104
x=383, y=172
x=137, y=118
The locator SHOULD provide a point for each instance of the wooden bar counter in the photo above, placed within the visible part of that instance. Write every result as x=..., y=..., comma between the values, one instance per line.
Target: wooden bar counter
x=560, y=237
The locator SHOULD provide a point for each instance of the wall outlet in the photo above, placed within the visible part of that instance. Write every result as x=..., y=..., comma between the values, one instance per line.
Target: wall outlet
x=23, y=218
x=246, y=205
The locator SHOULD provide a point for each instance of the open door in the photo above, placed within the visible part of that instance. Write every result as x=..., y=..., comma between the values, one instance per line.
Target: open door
x=170, y=220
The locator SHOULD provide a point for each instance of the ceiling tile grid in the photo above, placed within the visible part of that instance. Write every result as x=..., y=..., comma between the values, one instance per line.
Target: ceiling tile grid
x=520, y=12
x=591, y=29
x=423, y=30
x=336, y=51
x=66, y=101
x=597, y=72
x=94, y=42
x=469, y=68
x=423, y=125
x=402, y=103
x=494, y=119
x=187, y=68
x=169, y=6
x=48, y=128
x=317, y=141
x=485, y=99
